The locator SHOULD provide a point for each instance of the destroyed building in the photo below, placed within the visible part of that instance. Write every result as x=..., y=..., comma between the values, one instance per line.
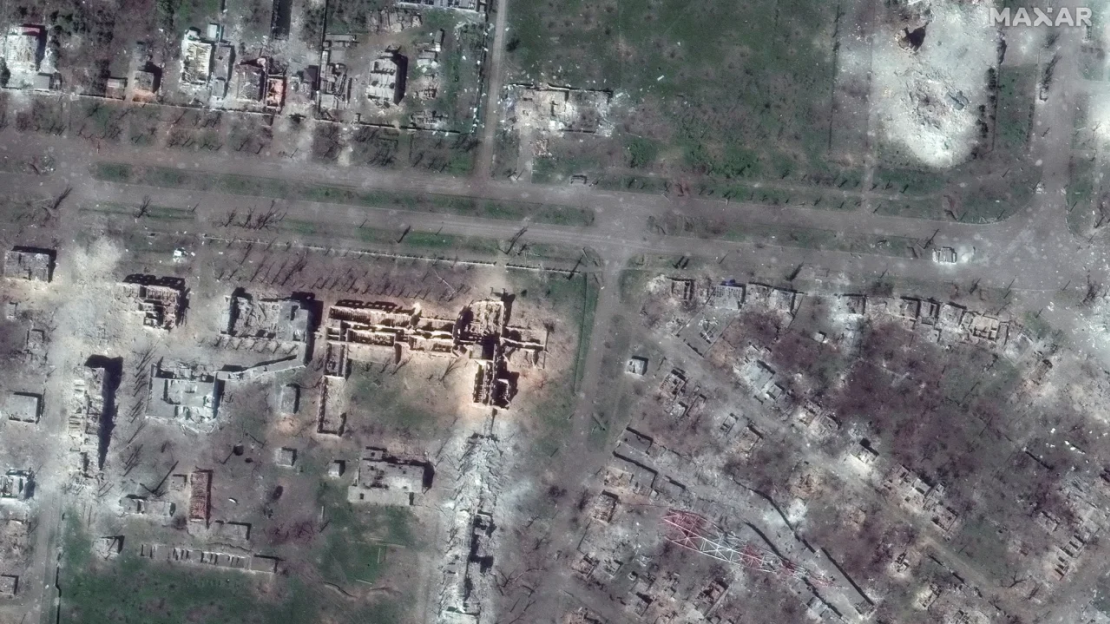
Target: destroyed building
x=285, y=320
x=23, y=407
x=562, y=109
x=387, y=480
x=145, y=84
x=196, y=58
x=335, y=87
x=200, y=495
x=24, y=50
x=289, y=400
x=242, y=561
x=249, y=78
x=480, y=332
x=26, y=263
x=471, y=6
x=17, y=485
x=386, y=81
x=89, y=421
x=160, y=300
x=9, y=585
x=184, y=395
x=141, y=506
x=222, y=59
x=726, y=296
x=274, y=97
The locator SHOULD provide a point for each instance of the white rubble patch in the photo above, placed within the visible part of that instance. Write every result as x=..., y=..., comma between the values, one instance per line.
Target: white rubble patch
x=475, y=463
x=1099, y=118
x=927, y=100
x=796, y=512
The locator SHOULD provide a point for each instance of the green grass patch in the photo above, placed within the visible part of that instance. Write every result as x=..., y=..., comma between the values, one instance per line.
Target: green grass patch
x=907, y=181
x=770, y=234
x=573, y=299
x=359, y=539
x=737, y=88
x=167, y=177
x=642, y=152
x=381, y=398
x=1081, y=192
x=1014, y=118
x=441, y=243
x=113, y=172
x=134, y=590
x=926, y=208
x=156, y=213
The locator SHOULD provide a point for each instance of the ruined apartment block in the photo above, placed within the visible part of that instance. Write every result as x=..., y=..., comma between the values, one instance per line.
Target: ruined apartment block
x=160, y=300
x=26, y=263
x=384, y=479
x=281, y=320
x=184, y=395
x=89, y=420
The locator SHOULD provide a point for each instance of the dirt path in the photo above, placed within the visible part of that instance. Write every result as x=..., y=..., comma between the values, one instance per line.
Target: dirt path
x=484, y=166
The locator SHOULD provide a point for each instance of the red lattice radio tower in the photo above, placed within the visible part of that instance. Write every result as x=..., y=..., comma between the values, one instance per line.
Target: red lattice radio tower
x=695, y=532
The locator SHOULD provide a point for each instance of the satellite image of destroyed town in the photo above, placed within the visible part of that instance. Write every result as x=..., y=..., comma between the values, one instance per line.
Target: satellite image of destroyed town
x=554, y=312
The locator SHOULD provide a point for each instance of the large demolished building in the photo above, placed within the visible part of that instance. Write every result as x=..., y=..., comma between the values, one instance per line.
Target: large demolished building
x=89, y=421
x=481, y=332
x=387, y=480
x=184, y=395
x=286, y=320
x=160, y=300
x=26, y=263
x=562, y=109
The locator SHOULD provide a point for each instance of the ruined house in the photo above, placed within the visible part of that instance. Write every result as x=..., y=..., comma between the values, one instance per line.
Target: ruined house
x=285, y=457
x=636, y=366
x=289, y=401
x=222, y=59
x=274, y=96
x=26, y=263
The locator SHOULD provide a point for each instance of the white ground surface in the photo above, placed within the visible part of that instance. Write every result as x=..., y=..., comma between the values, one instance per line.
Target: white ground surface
x=911, y=89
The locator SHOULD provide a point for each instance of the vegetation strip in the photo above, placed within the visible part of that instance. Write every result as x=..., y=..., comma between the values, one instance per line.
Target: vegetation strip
x=168, y=177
